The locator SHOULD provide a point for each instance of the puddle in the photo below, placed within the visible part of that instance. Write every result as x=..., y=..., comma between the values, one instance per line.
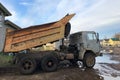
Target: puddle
x=105, y=70
x=110, y=78
x=105, y=59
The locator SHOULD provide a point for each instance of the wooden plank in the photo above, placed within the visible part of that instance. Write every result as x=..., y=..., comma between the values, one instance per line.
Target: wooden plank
x=35, y=35
x=32, y=30
x=34, y=43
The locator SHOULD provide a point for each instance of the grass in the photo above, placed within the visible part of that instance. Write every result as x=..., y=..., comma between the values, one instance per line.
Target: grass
x=5, y=59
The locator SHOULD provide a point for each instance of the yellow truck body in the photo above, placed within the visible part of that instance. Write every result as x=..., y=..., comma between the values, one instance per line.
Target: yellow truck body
x=35, y=35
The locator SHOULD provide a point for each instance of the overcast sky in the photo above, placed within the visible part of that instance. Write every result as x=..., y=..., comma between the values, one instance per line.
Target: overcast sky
x=102, y=16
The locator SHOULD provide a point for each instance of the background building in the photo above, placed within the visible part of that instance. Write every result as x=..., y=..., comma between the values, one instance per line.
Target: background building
x=113, y=42
x=6, y=23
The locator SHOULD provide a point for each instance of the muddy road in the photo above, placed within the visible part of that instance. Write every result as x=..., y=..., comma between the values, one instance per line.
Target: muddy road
x=107, y=68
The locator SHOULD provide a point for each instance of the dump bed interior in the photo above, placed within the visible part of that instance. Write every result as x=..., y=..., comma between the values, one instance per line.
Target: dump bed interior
x=35, y=35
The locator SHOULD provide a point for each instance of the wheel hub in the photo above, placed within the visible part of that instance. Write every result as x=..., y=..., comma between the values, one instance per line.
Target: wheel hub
x=50, y=63
x=27, y=65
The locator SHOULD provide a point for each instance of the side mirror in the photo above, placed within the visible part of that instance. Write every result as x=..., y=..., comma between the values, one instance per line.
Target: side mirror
x=97, y=37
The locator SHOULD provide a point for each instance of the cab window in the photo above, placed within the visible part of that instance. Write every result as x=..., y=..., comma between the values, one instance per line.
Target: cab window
x=91, y=36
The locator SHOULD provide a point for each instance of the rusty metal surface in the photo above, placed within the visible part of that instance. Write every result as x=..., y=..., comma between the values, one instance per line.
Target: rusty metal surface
x=35, y=35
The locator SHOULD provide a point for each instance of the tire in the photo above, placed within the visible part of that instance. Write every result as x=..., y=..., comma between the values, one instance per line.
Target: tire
x=89, y=60
x=49, y=63
x=27, y=65
x=67, y=29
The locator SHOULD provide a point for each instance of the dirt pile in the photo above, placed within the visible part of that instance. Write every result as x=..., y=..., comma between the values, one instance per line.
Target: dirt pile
x=116, y=50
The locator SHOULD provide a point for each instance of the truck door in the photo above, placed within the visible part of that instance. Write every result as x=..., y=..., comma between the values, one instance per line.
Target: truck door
x=92, y=42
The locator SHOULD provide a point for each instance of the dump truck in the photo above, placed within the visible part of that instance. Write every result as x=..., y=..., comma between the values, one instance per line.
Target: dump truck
x=83, y=46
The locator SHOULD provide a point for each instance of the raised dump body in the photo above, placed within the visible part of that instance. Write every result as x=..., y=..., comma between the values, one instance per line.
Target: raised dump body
x=35, y=35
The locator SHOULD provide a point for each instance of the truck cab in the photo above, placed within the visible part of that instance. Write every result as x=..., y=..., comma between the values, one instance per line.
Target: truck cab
x=87, y=46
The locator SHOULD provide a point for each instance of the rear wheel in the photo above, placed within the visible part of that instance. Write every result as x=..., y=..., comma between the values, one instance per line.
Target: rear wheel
x=89, y=60
x=27, y=65
x=49, y=63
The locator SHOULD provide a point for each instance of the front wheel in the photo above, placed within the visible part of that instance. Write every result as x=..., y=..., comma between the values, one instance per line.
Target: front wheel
x=89, y=60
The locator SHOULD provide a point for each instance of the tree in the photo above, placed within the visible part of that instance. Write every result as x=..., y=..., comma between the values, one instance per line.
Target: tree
x=117, y=35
